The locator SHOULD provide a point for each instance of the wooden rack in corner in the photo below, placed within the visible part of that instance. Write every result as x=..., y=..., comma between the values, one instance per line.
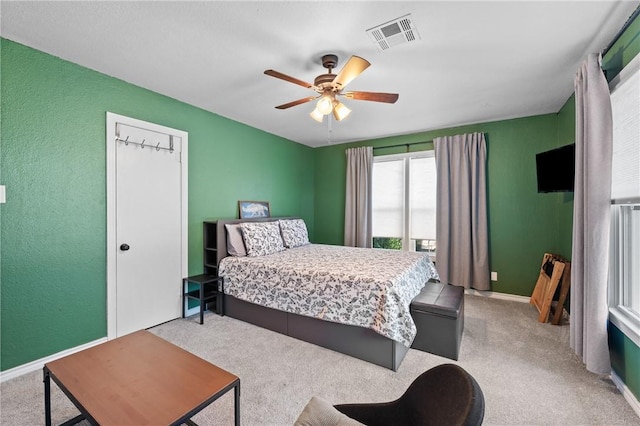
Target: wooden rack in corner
x=554, y=270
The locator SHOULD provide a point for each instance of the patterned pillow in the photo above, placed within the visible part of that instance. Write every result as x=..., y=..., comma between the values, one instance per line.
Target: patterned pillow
x=261, y=238
x=294, y=232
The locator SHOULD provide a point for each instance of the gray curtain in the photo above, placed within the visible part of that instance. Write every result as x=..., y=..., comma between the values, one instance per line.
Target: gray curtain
x=358, y=208
x=591, y=217
x=462, y=256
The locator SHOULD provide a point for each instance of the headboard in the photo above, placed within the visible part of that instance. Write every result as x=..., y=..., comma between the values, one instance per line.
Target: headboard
x=221, y=233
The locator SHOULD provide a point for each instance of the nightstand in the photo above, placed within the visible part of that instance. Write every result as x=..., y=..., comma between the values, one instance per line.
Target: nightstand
x=210, y=287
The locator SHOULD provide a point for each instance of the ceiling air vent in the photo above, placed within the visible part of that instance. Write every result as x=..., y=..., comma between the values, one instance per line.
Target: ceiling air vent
x=393, y=33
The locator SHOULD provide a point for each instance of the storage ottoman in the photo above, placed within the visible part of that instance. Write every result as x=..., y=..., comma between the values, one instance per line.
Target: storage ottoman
x=438, y=312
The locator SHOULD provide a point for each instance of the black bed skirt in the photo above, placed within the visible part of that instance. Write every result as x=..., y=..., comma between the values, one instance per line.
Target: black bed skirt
x=358, y=342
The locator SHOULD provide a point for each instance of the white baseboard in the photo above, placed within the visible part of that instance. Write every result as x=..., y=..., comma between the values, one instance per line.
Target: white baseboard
x=39, y=363
x=626, y=392
x=496, y=295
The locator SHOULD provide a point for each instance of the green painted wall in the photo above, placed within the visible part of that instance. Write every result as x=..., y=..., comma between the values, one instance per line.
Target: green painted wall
x=566, y=135
x=53, y=230
x=52, y=159
x=625, y=358
x=623, y=51
x=523, y=224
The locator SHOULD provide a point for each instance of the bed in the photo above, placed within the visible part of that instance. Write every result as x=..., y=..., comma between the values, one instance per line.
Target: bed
x=351, y=300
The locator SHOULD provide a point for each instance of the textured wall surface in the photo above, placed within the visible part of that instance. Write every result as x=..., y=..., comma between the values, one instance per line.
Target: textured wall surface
x=52, y=270
x=625, y=358
x=53, y=262
x=566, y=135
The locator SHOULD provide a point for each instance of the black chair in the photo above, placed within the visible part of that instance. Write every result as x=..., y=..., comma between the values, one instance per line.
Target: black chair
x=444, y=395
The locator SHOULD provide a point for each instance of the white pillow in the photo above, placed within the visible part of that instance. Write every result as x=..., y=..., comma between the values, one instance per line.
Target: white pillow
x=294, y=232
x=235, y=243
x=319, y=412
x=262, y=238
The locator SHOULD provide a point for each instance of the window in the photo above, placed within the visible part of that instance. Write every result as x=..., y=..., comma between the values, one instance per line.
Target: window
x=624, y=281
x=626, y=235
x=404, y=202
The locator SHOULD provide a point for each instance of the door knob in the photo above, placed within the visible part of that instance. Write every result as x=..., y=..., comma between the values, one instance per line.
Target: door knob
x=124, y=247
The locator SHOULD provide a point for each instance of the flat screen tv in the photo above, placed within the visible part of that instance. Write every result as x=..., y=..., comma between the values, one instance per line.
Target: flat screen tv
x=556, y=169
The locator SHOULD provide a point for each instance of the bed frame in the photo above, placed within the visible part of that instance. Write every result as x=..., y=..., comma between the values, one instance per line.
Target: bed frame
x=359, y=342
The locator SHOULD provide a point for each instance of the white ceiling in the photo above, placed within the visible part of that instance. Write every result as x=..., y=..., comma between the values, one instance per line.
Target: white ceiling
x=476, y=61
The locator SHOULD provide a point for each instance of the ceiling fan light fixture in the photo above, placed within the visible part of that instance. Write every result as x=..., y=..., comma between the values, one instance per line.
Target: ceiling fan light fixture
x=329, y=86
x=325, y=105
x=340, y=111
x=317, y=115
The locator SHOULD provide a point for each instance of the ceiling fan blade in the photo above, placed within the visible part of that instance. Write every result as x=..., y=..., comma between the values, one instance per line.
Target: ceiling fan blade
x=298, y=102
x=389, y=98
x=290, y=79
x=354, y=66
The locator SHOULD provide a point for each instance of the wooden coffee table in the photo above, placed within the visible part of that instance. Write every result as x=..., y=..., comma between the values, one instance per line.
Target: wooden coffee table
x=138, y=379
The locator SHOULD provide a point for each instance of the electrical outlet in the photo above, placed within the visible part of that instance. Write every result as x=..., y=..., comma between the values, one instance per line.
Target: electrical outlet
x=494, y=276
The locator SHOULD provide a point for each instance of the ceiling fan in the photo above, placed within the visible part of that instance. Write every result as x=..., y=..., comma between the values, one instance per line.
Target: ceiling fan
x=329, y=86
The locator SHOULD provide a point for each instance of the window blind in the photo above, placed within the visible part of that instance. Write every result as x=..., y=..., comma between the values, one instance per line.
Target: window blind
x=625, y=106
x=388, y=198
x=404, y=197
x=423, y=198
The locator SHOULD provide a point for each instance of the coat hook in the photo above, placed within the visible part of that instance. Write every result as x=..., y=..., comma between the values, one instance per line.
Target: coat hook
x=126, y=141
x=142, y=144
x=158, y=147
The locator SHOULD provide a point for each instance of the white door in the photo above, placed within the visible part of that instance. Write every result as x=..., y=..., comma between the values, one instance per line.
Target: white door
x=147, y=244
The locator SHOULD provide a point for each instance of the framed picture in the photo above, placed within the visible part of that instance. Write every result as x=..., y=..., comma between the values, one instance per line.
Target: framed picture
x=249, y=209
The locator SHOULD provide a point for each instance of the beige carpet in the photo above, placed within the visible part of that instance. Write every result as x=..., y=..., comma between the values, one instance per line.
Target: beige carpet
x=527, y=372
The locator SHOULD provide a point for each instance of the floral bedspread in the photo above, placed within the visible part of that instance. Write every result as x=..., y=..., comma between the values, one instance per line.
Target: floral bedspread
x=364, y=287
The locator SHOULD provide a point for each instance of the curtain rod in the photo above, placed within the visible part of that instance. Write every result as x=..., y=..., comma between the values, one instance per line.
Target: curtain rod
x=406, y=145
x=626, y=25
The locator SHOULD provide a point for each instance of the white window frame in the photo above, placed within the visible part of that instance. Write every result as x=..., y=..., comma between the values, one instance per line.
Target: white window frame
x=407, y=243
x=622, y=317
